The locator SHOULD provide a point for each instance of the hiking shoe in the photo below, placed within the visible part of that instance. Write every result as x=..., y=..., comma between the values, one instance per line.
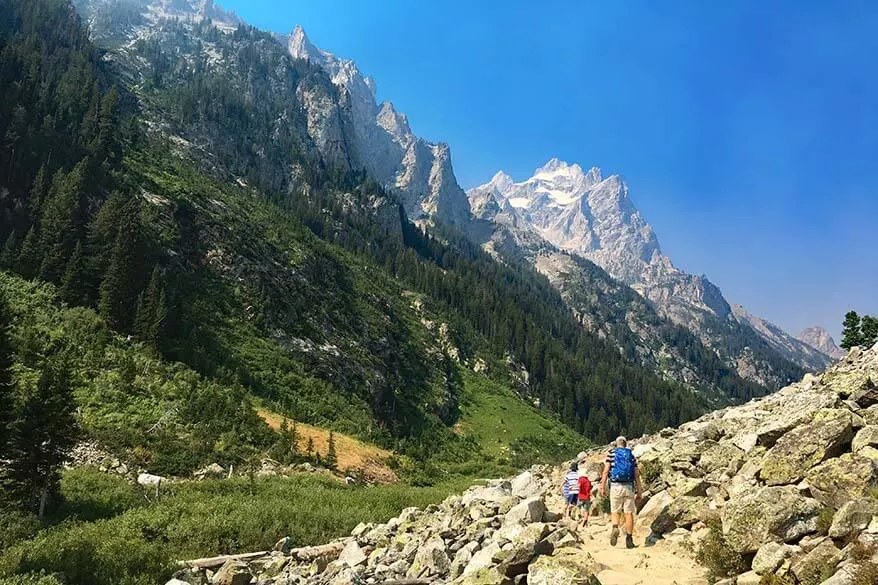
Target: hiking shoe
x=614, y=536
x=629, y=541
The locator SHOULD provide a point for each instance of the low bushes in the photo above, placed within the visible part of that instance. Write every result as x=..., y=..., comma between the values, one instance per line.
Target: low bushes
x=134, y=543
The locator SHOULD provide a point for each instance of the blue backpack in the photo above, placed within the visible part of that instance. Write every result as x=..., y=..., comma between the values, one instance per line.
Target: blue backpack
x=623, y=466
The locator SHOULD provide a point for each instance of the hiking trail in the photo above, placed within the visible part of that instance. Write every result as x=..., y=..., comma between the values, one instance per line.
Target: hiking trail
x=664, y=563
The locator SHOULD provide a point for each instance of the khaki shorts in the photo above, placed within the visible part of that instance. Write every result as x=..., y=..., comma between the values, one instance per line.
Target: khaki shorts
x=622, y=498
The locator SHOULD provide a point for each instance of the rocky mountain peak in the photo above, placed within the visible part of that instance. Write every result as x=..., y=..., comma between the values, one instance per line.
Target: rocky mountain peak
x=396, y=123
x=820, y=339
x=300, y=47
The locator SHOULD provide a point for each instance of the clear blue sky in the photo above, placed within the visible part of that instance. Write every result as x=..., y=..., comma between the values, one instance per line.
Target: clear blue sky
x=747, y=131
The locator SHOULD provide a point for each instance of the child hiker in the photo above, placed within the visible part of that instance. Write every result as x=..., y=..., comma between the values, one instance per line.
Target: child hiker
x=584, y=497
x=570, y=490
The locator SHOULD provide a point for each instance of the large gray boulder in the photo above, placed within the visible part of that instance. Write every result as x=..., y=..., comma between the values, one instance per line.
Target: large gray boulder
x=526, y=485
x=568, y=566
x=839, y=480
x=805, y=446
x=233, y=573
x=771, y=556
x=775, y=513
x=530, y=510
x=853, y=517
x=431, y=560
x=652, y=509
x=865, y=437
x=819, y=561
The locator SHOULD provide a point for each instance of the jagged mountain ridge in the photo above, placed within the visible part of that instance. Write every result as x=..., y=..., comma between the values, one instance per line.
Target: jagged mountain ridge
x=379, y=139
x=820, y=339
x=342, y=125
x=591, y=216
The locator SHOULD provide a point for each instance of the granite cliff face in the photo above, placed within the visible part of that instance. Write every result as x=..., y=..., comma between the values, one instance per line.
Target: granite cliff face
x=587, y=215
x=379, y=140
x=820, y=339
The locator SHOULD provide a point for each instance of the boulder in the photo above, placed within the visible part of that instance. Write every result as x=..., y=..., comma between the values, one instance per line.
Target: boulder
x=865, y=437
x=720, y=457
x=352, y=555
x=530, y=510
x=853, y=517
x=483, y=559
x=805, y=446
x=525, y=485
x=431, y=560
x=653, y=508
x=748, y=578
x=814, y=566
x=568, y=566
x=771, y=556
x=683, y=512
x=233, y=573
x=844, y=478
x=774, y=513
x=147, y=479
x=844, y=576
x=212, y=471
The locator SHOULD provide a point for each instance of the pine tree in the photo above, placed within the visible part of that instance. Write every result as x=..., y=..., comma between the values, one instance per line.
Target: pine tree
x=851, y=335
x=7, y=386
x=9, y=253
x=114, y=302
x=869, y=331
x=42, y=432
x=152, y=310
x=73, y=284
x=30, y=257
x=331, y=460
x=63, y=220
x=309, y=448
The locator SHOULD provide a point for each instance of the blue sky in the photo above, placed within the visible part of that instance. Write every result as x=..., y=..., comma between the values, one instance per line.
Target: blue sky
x=747, y=131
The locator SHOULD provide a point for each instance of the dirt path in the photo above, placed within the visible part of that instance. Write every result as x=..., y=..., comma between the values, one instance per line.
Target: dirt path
x=664, y=563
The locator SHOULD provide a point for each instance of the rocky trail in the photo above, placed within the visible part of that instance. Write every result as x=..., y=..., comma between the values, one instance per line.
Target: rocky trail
x=785, y=486
x=666, y=562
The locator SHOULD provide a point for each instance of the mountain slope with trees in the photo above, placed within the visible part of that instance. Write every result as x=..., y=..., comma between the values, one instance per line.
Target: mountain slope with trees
x=281, y=287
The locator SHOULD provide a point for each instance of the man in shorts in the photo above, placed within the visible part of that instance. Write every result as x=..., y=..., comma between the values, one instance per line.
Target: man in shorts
x=623, y=477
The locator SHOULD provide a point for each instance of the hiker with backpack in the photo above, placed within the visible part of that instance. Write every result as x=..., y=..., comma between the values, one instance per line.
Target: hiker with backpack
x=570, y=489
x=623, y=476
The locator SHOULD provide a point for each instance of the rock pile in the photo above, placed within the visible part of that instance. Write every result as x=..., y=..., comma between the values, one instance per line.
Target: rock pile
x=500, y=533
x=791, y=480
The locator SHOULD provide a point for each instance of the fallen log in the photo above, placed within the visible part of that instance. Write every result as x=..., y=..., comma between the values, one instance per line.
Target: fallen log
x=305, y=553
x=213, y=562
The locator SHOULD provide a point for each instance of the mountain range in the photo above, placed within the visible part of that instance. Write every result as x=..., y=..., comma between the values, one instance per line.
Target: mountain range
x=560, y=214
x=286, y=232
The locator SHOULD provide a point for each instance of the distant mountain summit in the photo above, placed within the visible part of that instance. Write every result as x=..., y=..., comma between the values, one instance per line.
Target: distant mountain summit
x=584, y=213
x=820, y=339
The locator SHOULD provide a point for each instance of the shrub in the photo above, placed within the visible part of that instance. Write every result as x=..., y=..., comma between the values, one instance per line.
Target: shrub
x=650, y=470
x=31, y=579
x=715, y=554
x=16, y=526
x=777, y=580
x=88, y=494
